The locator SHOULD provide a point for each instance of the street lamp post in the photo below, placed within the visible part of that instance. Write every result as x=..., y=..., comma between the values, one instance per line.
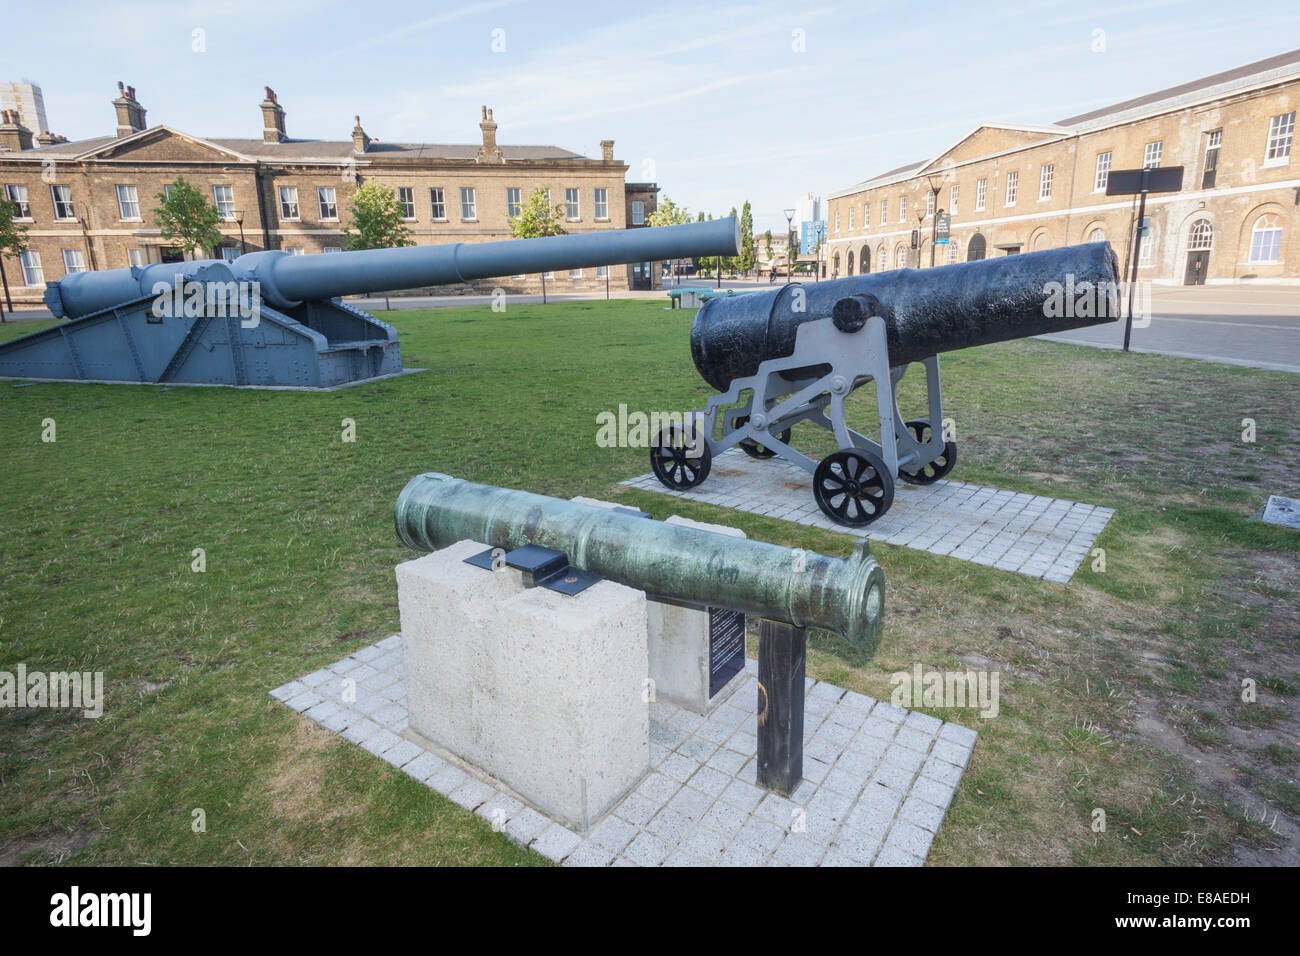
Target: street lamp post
x=934, y=222
x=239, y=218
x=920, y=220
x=789, y=248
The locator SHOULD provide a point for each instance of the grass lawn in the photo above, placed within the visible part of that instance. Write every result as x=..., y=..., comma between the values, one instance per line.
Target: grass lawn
x=1119, y=691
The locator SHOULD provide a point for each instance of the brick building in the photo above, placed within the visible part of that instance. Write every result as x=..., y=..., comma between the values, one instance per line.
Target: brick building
x=1016, y=188
x=89, y=204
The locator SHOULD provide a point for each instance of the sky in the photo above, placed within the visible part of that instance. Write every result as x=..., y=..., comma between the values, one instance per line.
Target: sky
x=718, y=104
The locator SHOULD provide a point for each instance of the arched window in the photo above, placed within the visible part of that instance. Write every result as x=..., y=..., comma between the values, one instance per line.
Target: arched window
x=1148, y=247
x=882, y=261
x=837, y=263
x=900, y=257
x=1040, y=242
x=864, y=261
x=976, y=248
x=954, y=251
x=1200, y=237
x=1266, y=239
x=1097, y=235
x=850, y=261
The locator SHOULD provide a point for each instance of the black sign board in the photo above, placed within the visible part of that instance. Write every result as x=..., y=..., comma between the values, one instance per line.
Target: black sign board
x=942, y=225
x=916, y=238
x=1155, y=179
x=726, y=647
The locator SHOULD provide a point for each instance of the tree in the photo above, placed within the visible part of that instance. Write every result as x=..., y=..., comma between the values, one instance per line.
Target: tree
x=748, y=256
x=703, y=265
x=767, y=246
x=376, y=221
x=186, y=218
x=13, y=240
x=537, y=218
x=668, y=213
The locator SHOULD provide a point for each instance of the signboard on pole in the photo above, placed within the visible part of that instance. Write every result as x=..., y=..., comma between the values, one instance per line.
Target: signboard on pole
x=942, y=226
x=1129, y=182
x=916, y=238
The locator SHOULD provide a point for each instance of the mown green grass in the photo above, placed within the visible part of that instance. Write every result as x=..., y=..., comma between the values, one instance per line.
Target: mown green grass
x=98, y=528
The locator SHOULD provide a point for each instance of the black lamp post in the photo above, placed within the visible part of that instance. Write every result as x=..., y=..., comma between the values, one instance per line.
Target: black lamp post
x=239, y=219
x=789, y=249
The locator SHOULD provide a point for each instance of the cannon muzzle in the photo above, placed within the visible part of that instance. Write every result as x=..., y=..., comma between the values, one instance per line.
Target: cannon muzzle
x=690, y=565
x=926, y=311
x=285, y=281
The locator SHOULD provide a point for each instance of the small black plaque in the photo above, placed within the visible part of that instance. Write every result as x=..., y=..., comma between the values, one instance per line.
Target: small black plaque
x=726, y=647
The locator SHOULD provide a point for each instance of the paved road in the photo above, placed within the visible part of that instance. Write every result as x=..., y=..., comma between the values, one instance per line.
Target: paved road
x=1257, y=326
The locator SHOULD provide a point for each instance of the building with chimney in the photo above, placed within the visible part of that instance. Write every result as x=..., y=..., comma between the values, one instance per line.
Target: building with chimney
x=1012, y=188
x=89, y=204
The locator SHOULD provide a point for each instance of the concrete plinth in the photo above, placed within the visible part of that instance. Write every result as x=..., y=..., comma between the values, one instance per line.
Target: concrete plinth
x=680, y=645
x=542, y=691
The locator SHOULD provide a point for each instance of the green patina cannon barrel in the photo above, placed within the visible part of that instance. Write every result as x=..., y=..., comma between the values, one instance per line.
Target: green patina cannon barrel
x=926, y=311
x=690, y=565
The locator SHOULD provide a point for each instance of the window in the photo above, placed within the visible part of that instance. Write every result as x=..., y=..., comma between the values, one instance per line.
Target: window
x=884, y=211
x=548, y=275
x=866, y=215
x=1266, y=239
x=225, y=200
x=1097, y=235
x=602, y=205
x=1013, y=183
x=128, y=203
x=981, y=192
x=33, y=274
x=929, y=204
x=1151, y=155
x=514, y=202
x=229, y=253
x=438, y=204
x=406, y=196
x=575, y=273
x=638, y=213
x=295, y=250
x=1103, y=172
x=332, y=249
x=18, y=196
x=602, y=272
x=1212, y=142
x=837, y=220
x=952, y=200
x=62, y=196
x=900, y=257
x=902, y=209
x=954, y=251
x=74, y=260
x=1148, y=247
x=1200, y=237
x=328, y=203
x=1045, y=181
x=571, y=208
x=1280, y=130
x=289, y=202
x=135, y=257
x=468, y=209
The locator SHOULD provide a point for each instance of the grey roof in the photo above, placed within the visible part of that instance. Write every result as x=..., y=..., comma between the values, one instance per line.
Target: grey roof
x=1272, y=67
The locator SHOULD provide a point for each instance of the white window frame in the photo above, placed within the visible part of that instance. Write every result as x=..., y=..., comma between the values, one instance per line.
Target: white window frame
x=289, y=211
x=600, y=204
x=468, y=205
x=1152, y=153
x=331, y=249
x=900, y=257
x=33, y=271
x=406, y=199
x=74, y=261
x=851, y=226
x=866, y=215
x=902, y=209
x=1045, y=177
x=1274, y=242
x=295, y=250
x=1146, y=255
x=128, y=202
x=229, y=253
x=23, y=205
x=638, y=213
x=952, y=199
x=837, y=220
x=327, y=205
x=56, y=190
x=1101, y=175
x=575, y=273
x=1013, y=187
x=981, y=194
x=602, y=272
x=514, y=202
x=227, y=214
x=572, y=204
x=1281, y=134
x=135, y=257
x=437, y=204
x=929, y=204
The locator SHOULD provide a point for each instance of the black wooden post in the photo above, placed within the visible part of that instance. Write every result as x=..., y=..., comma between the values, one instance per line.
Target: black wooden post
x=782, y=649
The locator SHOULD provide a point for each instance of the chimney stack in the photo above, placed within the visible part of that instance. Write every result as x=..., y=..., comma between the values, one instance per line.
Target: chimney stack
x=607, y=150
x=49, y=139
x=272, y=119
x=359, y=138
x=130, y=114
x=13, y=134
x=489, y=152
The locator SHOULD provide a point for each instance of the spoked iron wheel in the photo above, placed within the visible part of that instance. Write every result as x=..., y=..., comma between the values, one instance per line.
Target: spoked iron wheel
x=753, y=449
x=929, y=473
x=852, y=487
x=675, y=460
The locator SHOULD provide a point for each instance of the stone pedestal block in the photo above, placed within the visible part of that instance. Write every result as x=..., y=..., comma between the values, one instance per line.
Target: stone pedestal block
x=542, y=691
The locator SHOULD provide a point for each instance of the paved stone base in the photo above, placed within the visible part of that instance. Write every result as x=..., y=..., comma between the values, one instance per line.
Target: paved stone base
x=877, y=779
x=1283, y=511
x=1029, y=534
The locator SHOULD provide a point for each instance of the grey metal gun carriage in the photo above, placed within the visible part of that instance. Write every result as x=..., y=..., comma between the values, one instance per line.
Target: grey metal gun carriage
x=272, y=319
x=796, y=353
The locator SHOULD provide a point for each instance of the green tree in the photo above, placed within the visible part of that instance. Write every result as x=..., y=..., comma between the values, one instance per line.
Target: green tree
x=376, y=221
x=767, y=245
x=748, y=255
x=703, y=265
x=13, y=241
x=537, y=217
x=186, y=218
x=668, y=213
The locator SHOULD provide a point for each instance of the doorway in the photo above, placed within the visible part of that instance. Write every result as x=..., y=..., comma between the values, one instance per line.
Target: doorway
x=1199, y=240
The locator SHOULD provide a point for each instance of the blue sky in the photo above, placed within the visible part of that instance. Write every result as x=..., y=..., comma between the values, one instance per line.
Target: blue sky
x=717, y=104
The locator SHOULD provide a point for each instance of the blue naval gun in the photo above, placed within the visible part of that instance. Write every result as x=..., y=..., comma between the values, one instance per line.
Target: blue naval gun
x=272, y=319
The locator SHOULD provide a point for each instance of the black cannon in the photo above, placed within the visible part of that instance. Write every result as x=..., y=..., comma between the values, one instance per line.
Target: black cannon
x=794, y=354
